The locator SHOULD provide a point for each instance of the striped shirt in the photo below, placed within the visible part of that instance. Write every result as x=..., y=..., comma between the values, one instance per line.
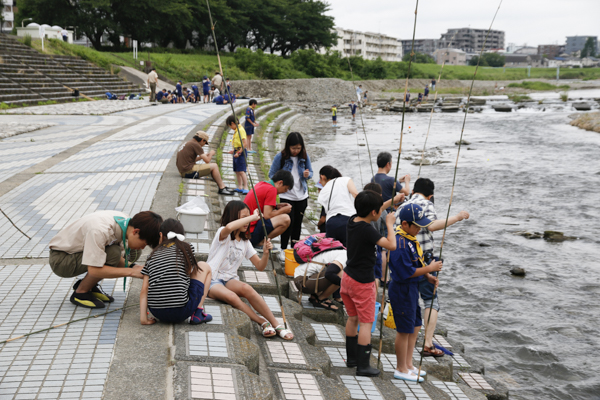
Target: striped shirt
x=169, y=283
x=425, y=236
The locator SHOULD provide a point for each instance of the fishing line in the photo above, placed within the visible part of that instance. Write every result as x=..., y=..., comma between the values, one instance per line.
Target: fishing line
x=358, y=159
x=212, y=26
x=433, y=106
x=412, y=49
x=454, y=178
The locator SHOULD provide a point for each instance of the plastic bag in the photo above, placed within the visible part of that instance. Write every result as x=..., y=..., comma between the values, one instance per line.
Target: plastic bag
x=195, y=205
x=389, y=317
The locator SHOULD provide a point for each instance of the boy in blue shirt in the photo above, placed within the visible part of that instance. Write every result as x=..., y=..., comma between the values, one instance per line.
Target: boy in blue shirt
x=353, y=108
x=407, y=268
x=205, y=88
x=250, y=123
x=179, y=90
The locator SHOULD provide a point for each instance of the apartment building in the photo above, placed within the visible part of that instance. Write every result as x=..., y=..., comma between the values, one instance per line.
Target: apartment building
x=576, y=43
x=8, y=15
x=550, y=50
x=423, y=46
x=471, y=40
x=368, y=45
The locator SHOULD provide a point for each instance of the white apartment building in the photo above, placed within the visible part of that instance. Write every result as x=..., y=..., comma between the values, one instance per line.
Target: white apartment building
x=368, y=45
x=8, y=15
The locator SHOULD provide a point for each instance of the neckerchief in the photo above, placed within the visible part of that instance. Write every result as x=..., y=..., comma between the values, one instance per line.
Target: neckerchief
x=400, y=231
x=123, y=224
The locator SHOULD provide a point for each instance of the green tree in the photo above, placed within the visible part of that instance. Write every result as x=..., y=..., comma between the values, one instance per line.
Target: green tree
x=489, y=59
x=589, y=49
x=419, y=58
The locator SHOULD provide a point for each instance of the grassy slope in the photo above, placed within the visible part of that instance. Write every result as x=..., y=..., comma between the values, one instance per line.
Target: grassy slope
x=192, y=67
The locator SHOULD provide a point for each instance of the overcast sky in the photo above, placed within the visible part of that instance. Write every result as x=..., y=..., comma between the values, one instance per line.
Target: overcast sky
x=524, y=21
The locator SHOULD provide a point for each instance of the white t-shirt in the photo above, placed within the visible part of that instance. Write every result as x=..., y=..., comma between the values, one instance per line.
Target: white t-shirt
x=297, y=193
x=326, y=258
x=342, y=202
x=226, y=256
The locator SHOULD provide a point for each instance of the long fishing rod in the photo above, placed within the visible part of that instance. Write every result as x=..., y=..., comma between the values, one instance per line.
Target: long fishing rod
x=433, y=105
x=212, y=26
x=67, y=323
x=412, y=49
x=13, y=224
x=462, y=131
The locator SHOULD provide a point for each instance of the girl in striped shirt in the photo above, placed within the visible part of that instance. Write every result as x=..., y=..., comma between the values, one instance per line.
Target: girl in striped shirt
x=175, y=285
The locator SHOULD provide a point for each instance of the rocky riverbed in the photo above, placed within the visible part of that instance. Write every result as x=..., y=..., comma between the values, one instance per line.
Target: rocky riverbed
x=588, y=121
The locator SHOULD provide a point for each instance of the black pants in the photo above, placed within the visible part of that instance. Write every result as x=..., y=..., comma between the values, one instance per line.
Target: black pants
x=293, y=231
x=336, y=228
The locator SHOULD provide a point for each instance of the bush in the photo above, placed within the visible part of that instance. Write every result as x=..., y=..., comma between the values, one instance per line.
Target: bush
x=537, y=86
x=27, y=40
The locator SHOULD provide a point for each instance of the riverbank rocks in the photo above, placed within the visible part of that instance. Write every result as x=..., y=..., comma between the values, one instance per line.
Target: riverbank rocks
x=518, y=271
x=529, y=235
x=554, y=236
x=587, y=121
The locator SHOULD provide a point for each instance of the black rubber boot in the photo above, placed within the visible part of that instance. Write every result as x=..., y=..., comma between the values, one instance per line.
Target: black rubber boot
x=364, y=362
x=351, y=350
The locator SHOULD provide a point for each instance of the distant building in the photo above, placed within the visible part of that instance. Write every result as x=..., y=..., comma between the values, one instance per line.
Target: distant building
x=526, y=50
x=471, y=40
x=423, y=46
x=523, y=60
x=450, y=56
x=8, y=15
x=550, y=50
x=576, y=43
x=368, y=45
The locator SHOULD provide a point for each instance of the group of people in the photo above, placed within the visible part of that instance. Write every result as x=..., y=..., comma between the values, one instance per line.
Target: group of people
x=217, y=90
x=384, y=227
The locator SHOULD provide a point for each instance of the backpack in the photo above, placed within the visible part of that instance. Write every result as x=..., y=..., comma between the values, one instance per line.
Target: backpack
x=311, y=246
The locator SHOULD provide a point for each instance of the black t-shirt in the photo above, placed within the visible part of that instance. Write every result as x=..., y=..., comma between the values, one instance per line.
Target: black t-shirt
x=362, y=238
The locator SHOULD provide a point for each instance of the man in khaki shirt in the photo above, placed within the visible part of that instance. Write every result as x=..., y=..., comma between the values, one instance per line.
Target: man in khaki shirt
x=94, y=244
x=152, y=79
x=217, y=81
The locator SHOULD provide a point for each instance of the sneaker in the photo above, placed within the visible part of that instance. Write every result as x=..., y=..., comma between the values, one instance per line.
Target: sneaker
x=237, y=190
x=281, y=254
x=86, y=300
x=199, y=316
x=97, y=292
x=251, y=151
x=407, y=377
x=245, y=191
x=415, y=371
x=225, y=192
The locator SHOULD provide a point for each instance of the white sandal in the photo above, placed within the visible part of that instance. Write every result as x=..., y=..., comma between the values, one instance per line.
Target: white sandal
x=282, y=332
x=267, y=330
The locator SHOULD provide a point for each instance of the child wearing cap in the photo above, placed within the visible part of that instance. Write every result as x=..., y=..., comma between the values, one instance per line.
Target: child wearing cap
x=239, y=144
x=353, y=108
x=250, y=123
x=334, y=115
x=407, y=267
x=359, y=289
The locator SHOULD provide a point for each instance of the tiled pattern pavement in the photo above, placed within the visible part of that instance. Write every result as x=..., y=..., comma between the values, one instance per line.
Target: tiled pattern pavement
x=215, y=312
x=285, y=353
x=212, y=383
x=329, y=333
x=337, y=355
x=256, y=277
x=476, y=381
x=71, y=361
x=411, y=390
x=451, y=389
x=299, y=386
x=212, y=344
x=361, y=387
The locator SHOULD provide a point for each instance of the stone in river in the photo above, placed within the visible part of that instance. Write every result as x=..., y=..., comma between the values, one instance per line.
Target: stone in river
x=484, y=244
x=555, y=236
x=462, y=142
x=418, y=162
x=529, y=235
x=517, y=271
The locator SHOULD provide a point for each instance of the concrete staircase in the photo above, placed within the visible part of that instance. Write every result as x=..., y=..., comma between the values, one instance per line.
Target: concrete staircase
x=28, y=77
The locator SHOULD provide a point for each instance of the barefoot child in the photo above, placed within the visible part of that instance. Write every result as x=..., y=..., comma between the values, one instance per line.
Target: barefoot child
x=239, y=153
x=407, y=266
x=174, y=286
x=229, y=247
x=358, y=282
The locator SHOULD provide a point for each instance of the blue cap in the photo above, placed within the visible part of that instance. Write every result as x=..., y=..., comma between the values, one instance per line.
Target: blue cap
x=414, y=213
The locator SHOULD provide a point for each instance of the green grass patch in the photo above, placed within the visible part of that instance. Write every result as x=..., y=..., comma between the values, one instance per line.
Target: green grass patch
x=534, y=85
x=260, y=140
x=518, y=97
x=46, y=103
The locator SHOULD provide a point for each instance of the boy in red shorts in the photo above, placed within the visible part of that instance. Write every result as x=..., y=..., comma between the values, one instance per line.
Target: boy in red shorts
x=359, y=289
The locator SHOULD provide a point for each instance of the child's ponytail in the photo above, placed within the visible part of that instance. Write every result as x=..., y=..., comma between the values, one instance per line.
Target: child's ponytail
x=172, y=233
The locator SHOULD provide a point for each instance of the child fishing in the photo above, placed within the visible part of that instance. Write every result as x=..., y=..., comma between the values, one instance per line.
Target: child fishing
x=229, y=247
x=174, y=286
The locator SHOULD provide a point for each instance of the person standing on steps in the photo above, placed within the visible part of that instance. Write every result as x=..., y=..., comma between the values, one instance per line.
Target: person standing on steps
x=179, y=90
x=384, y=166
x=152, y=79
x=295, y=159
x=426, y=92
x=407, y=100
x=250, y=123
x=217, y=81
x=422, y=196
x=192, y=152
x=433, y=84
x=205, y=89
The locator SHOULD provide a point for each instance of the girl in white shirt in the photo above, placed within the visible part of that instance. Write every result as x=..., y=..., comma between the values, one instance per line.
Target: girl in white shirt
x=229, y=247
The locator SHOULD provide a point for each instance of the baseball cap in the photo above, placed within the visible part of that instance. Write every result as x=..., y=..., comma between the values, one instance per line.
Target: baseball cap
x=202, y=135
x=414, y=213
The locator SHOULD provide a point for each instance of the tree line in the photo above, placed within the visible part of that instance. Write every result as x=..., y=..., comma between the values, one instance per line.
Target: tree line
x=270, y=25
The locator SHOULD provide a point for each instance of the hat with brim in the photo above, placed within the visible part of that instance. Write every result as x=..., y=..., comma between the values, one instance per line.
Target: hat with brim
x=202, y=135
x=414, y=213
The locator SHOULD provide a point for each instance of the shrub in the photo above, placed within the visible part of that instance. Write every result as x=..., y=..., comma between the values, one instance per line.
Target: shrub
x=27, y=40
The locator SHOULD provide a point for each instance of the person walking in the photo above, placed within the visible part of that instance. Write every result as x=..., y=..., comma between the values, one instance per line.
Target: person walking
x=152, y=79
x=295, y=159
x=217, y=82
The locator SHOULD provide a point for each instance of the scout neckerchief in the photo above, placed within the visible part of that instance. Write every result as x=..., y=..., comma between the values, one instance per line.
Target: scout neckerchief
x=123, y=224
x=400, y=231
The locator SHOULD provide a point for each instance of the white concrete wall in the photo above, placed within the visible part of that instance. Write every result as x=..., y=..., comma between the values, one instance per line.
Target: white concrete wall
x=367, y=45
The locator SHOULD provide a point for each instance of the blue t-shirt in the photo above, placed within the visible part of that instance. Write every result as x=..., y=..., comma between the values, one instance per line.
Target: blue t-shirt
x=218, y=99
x=404, y=261
x=353, y=108
x=160, y=95
x=249, y=117
x=195, y=89
x=387, y=185
x=178, y=89
x=206, y=86
x=426, y=90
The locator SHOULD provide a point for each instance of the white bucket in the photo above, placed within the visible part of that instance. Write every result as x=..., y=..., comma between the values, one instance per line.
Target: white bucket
x=193, y=222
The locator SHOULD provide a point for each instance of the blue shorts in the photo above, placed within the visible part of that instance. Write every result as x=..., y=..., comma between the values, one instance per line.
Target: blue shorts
x=249, y=130
x=404, y=298
x=180, y=314
x=219, y=282
x=205, y=92
x=334, y=118
x=378, y=263
x=259, y=233
x=239, y=163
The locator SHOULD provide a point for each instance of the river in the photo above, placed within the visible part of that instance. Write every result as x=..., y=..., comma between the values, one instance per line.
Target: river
x=526, y=170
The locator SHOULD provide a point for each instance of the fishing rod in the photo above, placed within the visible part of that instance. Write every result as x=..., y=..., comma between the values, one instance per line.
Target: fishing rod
x=212, y=27
x=358, y=159
x=462, y=131
x=433, y=105
x=13, y=224
x=67, y=323
x=412, y=49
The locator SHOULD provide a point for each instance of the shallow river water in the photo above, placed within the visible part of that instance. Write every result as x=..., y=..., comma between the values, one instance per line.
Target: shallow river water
x=522, y=171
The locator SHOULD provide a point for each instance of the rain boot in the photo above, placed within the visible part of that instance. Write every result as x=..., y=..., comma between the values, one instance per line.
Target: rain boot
x=351, y=350
x=364, y=362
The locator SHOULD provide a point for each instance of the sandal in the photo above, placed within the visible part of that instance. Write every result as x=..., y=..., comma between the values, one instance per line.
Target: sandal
x=325, y=303
x=267, y=330
x=282, y=332
x=432, y=352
